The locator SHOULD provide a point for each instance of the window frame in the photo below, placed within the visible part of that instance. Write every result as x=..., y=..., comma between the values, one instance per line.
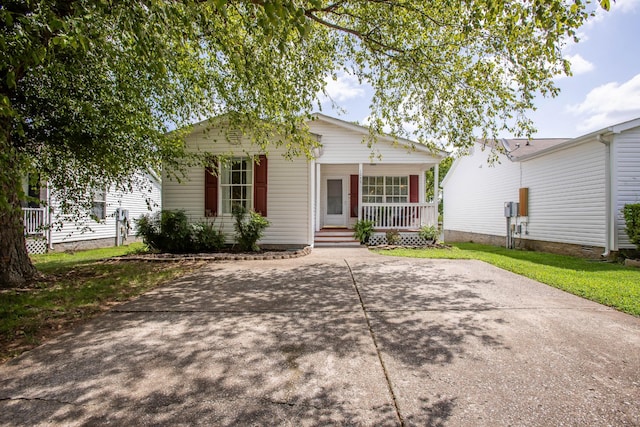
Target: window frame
x=99, y=202
x=226, y=185
x=396, y=181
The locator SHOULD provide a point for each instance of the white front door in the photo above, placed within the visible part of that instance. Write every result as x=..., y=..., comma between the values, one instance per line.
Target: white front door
x=335, y=201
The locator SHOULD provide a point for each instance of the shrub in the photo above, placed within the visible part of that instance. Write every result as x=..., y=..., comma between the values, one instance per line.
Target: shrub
x=249, y=228
x=429, y=232
x=166, y=231
x=363, y=230
x=631, y=214
x=148, y=228
x=393, y=237
x=206, y=238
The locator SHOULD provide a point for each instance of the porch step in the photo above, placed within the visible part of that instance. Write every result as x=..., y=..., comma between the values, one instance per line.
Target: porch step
x=335, y=237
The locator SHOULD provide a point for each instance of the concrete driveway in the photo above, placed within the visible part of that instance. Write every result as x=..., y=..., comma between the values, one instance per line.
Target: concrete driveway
x=340, y=337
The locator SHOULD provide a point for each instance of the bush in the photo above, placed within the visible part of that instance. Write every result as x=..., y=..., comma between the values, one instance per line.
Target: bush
x=148, y=228
x=165, y=231
x=206, y=238
x=248, y=230
x=429, y=232
x=393, y=237
x=631, y=214
x=363, y=230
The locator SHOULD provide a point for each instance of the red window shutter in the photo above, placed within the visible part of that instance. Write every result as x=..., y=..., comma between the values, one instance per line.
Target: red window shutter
x=414, y=189
x=260, y=186
x=210, y=193
x=353, y=198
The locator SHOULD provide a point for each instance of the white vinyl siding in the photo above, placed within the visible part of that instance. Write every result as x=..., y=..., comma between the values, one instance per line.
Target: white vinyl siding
x=344, y=146
x=626, y=179
x=567, y=195
x=475, y=194
x=138, y=202
x=287, y=189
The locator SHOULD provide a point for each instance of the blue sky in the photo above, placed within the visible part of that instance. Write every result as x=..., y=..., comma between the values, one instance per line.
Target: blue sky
x=604, y=89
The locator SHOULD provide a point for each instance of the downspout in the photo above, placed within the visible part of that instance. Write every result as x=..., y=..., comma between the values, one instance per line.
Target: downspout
x=608, y=216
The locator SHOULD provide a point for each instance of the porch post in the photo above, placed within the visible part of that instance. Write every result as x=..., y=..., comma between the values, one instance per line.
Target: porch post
x=436, y=196
x=422, y=198
x=436, y=185
x=359, y=191
x=318, y=212
x=311, y=226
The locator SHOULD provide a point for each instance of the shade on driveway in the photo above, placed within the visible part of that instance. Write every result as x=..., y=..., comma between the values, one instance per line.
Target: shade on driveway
x=340, y=337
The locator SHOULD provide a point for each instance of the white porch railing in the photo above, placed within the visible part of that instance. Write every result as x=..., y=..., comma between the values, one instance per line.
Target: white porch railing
x=34, y=221
x=400, y=215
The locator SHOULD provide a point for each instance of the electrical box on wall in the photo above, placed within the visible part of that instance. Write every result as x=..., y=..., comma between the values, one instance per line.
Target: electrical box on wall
x=510, y=209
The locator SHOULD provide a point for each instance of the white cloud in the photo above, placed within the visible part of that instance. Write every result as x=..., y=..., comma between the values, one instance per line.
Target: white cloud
x=625, y=6
x=608, y=104
x=344, y=88
x=579, y=65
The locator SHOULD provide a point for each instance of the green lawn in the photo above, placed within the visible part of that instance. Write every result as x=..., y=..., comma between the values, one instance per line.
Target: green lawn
x=74, y=287
x=610, y=284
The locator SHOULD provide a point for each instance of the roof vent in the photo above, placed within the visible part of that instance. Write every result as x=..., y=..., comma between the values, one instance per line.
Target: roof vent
x=233, y=136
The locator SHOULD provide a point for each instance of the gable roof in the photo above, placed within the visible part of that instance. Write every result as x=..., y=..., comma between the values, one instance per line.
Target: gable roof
x=518, y=148
x=598, y=134
x=437, y=153
x=522, y=149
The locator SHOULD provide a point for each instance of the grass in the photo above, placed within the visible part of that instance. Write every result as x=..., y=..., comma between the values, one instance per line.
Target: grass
x=74, y=287
x=610, y=284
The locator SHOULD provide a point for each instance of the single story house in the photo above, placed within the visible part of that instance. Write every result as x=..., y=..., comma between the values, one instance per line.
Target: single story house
x=47, y=229
x=308, y=202
x=569, y=192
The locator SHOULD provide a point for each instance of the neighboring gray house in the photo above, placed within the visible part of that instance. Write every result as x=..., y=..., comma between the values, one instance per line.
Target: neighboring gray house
x=313, y=201
x=65, y=234
x=571, y=192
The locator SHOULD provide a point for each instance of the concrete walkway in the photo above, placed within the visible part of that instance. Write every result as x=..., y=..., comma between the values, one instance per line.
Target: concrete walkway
x=340, y=337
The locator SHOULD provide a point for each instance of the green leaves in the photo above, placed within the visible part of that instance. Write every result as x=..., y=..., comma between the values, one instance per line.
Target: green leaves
x=89, y=89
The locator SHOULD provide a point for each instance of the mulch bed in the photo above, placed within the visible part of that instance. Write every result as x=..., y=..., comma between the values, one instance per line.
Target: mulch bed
x=220, y=256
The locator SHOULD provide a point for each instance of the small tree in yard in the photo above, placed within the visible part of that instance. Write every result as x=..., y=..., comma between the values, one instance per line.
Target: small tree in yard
x=90, y=88
x=631, y=214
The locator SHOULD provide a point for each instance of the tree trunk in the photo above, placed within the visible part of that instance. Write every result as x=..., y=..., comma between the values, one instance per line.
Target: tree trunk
x=15, y=265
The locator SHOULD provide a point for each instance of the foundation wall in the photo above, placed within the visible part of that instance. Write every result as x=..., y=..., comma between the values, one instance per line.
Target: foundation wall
x=583, y=251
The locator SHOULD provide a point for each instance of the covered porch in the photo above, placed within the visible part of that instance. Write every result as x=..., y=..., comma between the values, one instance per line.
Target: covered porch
x=392, y=196
x=36, y=229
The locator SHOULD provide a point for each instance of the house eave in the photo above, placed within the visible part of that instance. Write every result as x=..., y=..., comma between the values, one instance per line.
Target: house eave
x=597, y=135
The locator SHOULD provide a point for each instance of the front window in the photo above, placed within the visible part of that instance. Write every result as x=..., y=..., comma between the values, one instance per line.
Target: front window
x=236, y=184
x=385, y=189
x=99, y=209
